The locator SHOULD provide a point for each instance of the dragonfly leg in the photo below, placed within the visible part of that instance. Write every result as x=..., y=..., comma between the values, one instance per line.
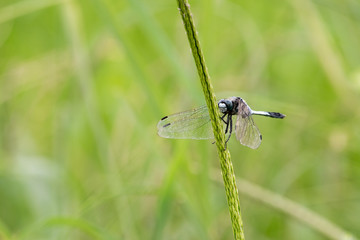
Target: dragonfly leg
x=222, y=118
x=227, y=124
x=230, y=131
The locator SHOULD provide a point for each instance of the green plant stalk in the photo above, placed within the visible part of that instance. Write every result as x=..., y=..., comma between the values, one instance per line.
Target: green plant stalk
x=224, y=155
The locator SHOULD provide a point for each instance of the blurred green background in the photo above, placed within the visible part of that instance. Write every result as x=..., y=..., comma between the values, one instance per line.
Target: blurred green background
x=84, y=83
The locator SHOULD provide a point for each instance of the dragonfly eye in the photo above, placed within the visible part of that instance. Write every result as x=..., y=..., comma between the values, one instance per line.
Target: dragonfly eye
x=222, y=107
x=225, y=105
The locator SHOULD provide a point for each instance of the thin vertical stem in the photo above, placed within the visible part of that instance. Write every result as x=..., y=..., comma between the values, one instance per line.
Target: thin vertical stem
x=224, y=155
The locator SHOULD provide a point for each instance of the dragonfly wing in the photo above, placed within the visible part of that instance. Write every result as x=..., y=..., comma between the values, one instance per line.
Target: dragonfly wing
x=193, y=124
x=247, y=132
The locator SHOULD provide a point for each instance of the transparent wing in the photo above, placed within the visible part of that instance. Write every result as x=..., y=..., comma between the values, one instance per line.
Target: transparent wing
x=247, y=132
x=194, y=124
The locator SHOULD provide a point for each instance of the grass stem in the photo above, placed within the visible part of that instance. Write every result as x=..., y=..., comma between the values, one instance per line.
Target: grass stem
x=224, y=155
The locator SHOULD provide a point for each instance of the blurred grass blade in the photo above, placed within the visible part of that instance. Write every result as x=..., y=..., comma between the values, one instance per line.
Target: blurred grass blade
x=106, y=11
x=166, y=193
x=24, y=7
x=93, y=231
x=161, y=41
x=84, y=77
x=322, y=43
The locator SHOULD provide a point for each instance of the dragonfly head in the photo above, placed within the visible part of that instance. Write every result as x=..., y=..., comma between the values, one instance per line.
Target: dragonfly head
x=225, y=105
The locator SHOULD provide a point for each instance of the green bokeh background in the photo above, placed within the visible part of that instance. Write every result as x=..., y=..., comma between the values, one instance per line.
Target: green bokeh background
x=84, y=83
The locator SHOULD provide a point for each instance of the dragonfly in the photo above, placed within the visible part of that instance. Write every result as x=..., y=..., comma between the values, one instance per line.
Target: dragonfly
x=196, y=123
